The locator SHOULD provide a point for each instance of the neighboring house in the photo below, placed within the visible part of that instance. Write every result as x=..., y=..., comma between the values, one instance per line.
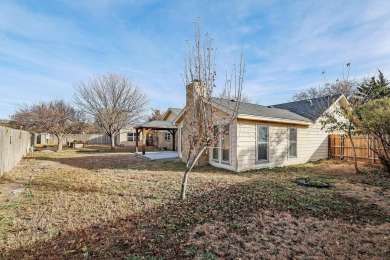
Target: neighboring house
x=127, y=137
x=164, y=137
x=266, y=136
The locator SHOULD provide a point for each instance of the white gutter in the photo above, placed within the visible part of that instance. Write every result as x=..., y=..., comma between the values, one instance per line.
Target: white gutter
x=272, y=119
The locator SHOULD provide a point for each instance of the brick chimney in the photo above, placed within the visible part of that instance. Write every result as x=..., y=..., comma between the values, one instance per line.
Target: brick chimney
x=194, y=90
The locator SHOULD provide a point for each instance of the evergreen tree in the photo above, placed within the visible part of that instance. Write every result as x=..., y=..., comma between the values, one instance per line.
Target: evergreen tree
x=374, y=88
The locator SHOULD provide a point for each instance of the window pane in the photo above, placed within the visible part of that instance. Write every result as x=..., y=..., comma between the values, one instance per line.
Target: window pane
x=262, y=135
x=130, y=137
x=293, y=134
x=262, y=151
x=293, y=149
x=226, y=144
x=216, y=149
x=215, y=153
x=225, y=155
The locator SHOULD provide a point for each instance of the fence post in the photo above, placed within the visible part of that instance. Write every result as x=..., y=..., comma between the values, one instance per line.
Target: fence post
x=373, y=149
x=341, y=147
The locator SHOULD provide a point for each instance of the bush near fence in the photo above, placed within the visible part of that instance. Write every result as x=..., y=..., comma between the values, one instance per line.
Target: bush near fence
x=14, y=144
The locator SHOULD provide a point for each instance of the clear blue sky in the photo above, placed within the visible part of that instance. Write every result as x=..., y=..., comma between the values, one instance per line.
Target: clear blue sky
x=48, y=46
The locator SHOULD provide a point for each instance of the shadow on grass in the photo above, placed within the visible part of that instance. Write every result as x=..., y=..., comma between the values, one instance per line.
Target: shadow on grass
x=163, y=231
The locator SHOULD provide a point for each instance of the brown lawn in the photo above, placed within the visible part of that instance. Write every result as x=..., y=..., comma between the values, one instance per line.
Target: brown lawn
x=93, y=204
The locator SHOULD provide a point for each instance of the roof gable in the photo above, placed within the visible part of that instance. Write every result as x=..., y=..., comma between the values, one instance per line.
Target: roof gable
x=171, y=110
x=311, y=109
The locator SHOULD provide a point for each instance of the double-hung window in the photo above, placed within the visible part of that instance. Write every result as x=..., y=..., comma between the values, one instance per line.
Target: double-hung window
x=216, y=146
x=292, y=151
x=221, y=149
x=167, y=136
x=262, y=143
x=131, y=137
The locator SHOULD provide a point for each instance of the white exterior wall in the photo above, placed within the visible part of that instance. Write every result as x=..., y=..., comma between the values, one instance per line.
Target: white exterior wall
x=312, y=144
x=180, y=138
x=122, y=137
x=232, y=166
x=170, y=117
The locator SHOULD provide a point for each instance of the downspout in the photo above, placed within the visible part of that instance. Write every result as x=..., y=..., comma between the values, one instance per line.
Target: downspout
x=236, y=168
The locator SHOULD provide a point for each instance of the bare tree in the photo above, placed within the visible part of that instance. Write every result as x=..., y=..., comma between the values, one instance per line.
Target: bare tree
x=342, y=119
x=345, y=86
x=112, y=101
x=203, y=124
x=54, y=117
x=157, y=114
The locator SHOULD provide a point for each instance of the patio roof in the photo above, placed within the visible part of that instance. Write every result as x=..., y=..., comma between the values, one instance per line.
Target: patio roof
x=157, y=125
x=154, y=125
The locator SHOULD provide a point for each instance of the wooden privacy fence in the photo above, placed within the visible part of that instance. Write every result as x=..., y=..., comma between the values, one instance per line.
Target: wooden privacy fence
x=14, y=144
x=340, y=147
x=51, y=139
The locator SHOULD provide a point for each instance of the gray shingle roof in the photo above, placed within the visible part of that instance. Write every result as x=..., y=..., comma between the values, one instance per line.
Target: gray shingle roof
x=258, y=110
x=310, y=108
x=175, y=110
x=157, y=124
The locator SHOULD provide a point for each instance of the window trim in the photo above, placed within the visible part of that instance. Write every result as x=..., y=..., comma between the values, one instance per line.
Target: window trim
x=289, y=143
x=230, y=141
x=219, y=148
x=133, y=135
x=257, y=144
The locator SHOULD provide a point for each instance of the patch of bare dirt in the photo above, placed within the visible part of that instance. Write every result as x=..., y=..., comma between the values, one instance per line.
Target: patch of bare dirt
x=278, y=235
x=370, y=194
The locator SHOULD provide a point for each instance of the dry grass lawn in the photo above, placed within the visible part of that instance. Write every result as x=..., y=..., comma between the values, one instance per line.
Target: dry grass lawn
x=81, y=205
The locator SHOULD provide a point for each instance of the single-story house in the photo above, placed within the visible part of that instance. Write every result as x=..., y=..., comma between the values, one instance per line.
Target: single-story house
x=164, y=137
x=265, y=136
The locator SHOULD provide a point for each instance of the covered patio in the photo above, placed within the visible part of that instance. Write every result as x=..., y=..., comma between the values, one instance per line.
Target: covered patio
x=154, y=125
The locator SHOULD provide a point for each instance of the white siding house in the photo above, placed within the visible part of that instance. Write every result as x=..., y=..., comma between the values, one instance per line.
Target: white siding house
x=279, y=135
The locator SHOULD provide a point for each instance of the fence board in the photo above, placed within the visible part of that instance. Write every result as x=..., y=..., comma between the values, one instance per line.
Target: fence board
x=87, y=138
x=340, y=147
x=14, y=144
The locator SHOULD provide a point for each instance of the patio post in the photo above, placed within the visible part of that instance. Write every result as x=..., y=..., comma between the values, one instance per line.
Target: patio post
x=173, y=141
x=136, y=140
x=143, y=141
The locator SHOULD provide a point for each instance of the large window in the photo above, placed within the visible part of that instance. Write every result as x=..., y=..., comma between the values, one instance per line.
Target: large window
x=216, y=146
x=225, y=145
x=262, y=143
x=131, y=137
x=221, y=150
x=293, y=142
x=167, y=136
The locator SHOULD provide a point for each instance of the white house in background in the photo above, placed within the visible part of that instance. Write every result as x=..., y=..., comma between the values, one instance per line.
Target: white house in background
x=268, y=136
x=127, y=137
x=159, y=138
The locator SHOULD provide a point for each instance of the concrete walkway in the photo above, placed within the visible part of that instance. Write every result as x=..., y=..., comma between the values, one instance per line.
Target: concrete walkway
x=160, y=155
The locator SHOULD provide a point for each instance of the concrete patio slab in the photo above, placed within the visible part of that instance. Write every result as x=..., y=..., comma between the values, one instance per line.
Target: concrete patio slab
x=160, y=155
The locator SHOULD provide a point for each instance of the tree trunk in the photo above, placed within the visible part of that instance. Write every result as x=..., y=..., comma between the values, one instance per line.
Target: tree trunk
x=354, y=153
x=59, y=143
x=112, y=137
x=186, y=173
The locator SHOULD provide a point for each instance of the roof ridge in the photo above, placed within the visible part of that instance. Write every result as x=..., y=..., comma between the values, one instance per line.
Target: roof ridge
x=330, y=95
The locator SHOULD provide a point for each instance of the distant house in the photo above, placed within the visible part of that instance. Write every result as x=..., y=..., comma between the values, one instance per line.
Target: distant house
x=266, y=136
x=159, y=133
x=127, y=137
x=160, y=139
